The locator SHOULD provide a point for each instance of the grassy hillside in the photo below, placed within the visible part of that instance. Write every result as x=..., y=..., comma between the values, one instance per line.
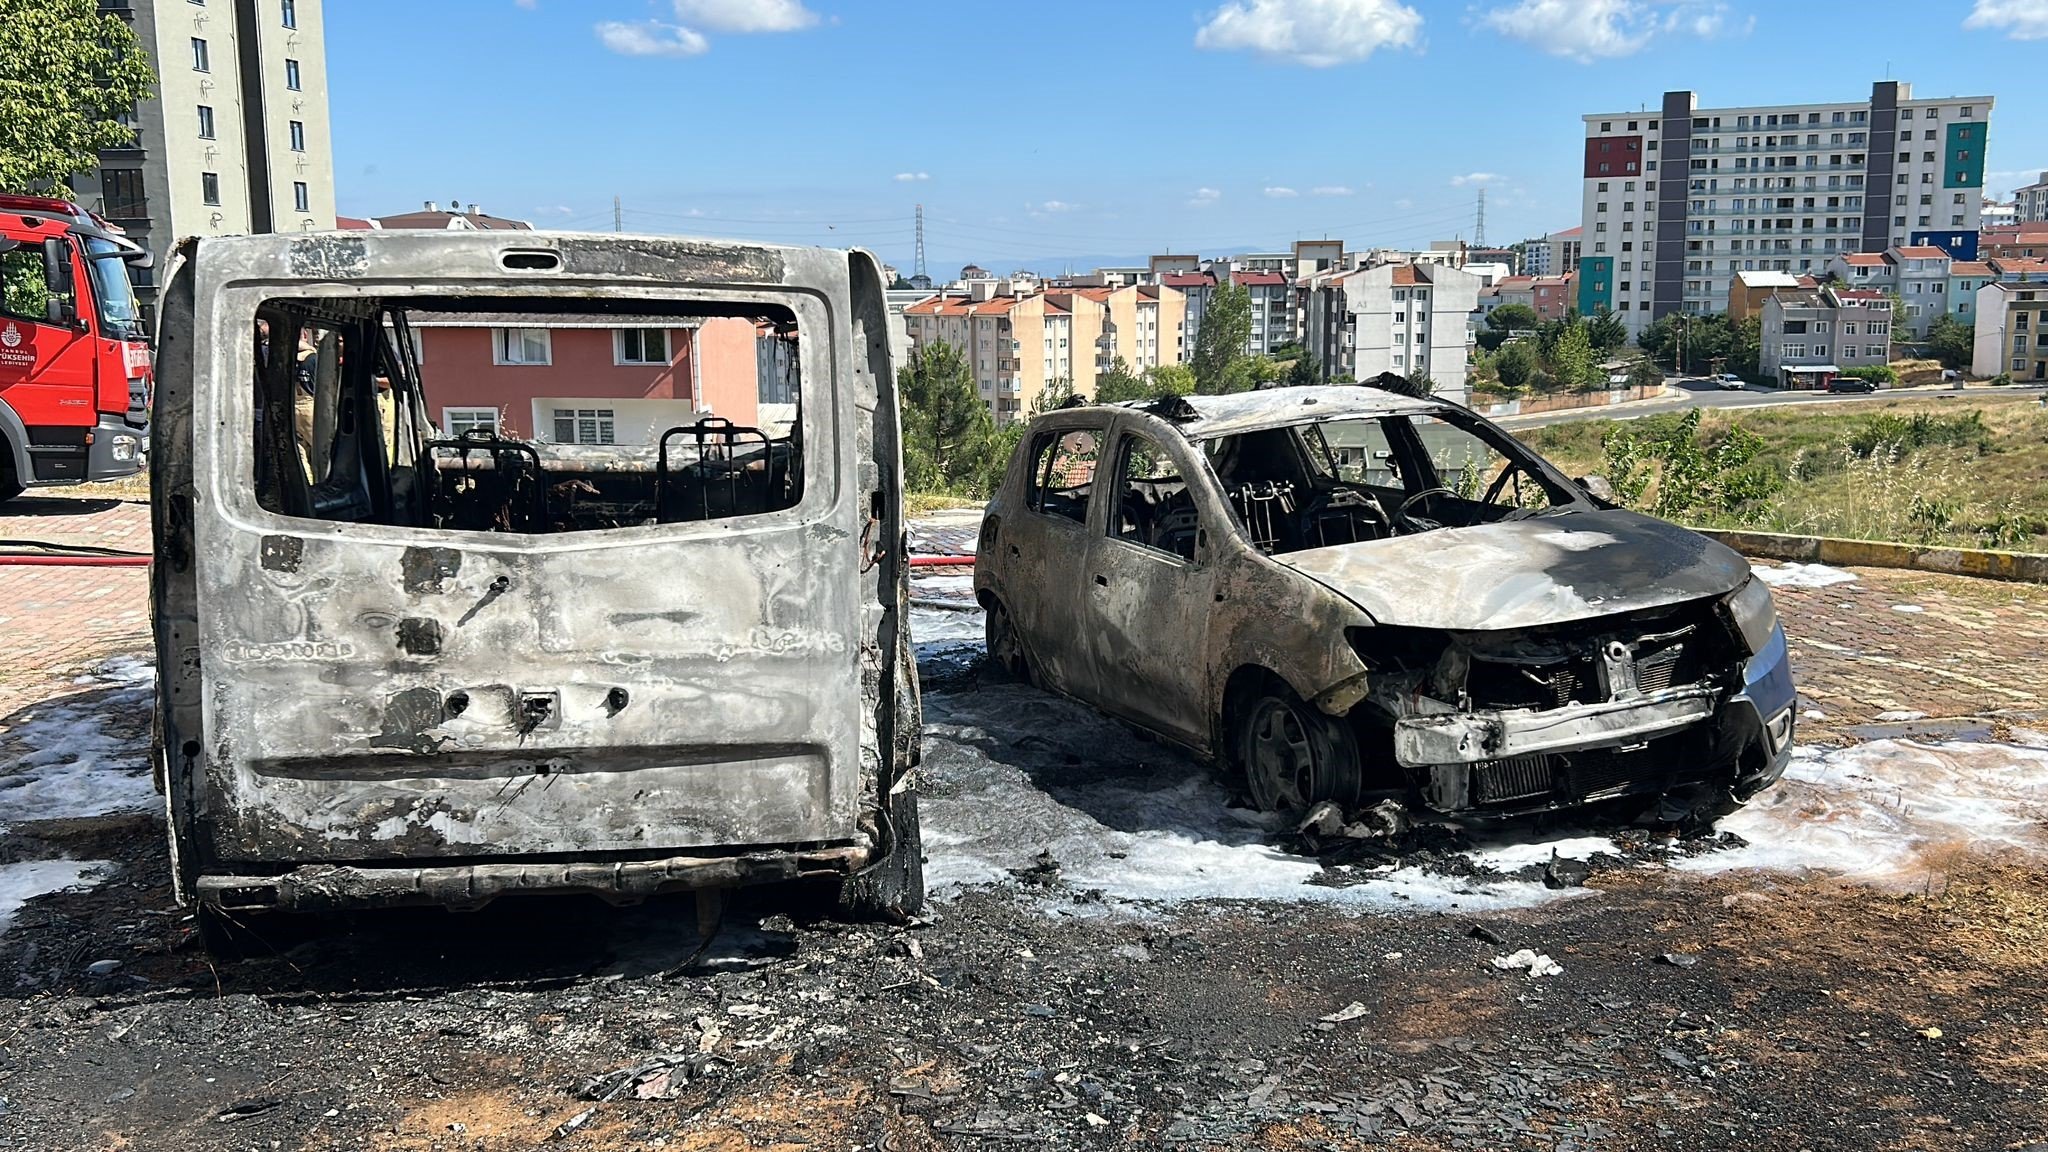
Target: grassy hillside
x=1925, y=469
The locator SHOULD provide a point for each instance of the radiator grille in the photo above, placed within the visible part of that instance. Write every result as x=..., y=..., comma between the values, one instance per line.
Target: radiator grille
x=1515, y=778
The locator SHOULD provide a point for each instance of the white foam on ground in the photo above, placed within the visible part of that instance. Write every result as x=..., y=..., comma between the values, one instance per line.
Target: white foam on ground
x=63, y=761
x=1890, y=811
x=1010, y=772
x=23, y=881
x=70, y=763
x=1795, y=575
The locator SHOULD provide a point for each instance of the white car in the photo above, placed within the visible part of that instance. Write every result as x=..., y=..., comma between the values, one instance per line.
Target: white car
x=1729, y=382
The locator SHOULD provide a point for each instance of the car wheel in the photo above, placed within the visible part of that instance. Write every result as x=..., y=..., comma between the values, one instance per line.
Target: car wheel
x=1292, y=755
x=1005, y=649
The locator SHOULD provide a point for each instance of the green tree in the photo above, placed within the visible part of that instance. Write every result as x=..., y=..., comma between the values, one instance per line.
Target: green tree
x=1606, y=332
x=1513, y=318
x=1953, y=341
x=1571, y=358
x=1516, y=364
x=946, y=426
x=1119, y=383
x=1303, y=371
x=1219, y=345
x=67, y=70
x=1745, y=351
x=1053, y=396
x=1644, y=374
x=1170, y=379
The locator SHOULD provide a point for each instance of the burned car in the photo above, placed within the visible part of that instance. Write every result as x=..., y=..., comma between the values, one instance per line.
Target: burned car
x=1344, y=593
x=506, y=562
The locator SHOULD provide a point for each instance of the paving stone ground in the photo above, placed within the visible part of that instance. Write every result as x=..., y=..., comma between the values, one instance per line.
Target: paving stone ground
x=1889, y=642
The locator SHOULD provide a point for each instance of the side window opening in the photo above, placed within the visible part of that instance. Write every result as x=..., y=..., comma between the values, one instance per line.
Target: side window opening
x=1063, y=474
x=1154, y=507
x=547, y=421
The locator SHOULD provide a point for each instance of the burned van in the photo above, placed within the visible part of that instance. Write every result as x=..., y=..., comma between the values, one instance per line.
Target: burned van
x=513, y=562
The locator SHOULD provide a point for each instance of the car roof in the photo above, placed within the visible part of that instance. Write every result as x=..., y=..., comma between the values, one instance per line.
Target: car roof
x=1207, y=417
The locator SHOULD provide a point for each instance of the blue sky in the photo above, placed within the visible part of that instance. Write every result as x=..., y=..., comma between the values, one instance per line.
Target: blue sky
x=1066, y=132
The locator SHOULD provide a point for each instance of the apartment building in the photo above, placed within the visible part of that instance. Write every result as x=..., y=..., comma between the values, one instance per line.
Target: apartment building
x=2030, y=204
x=1747, y=291
x=1017, y=340
x=1549, y=296
x=1409, y=319
x=2027, y=242
x=2012, y=330
x=1272, y=296
x=1965, y=277
x=568, y=380
x=1809, y=336
x=1677, y=201
x=1195, y=288
x=235, y=138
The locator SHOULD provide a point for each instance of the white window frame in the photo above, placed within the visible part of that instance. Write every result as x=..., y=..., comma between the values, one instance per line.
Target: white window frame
x=456, y=421
x=603, y=425
x=621, y=359
x=503, y=353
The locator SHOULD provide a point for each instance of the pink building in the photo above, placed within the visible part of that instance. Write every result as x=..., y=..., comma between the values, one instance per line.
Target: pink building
x=569, y=379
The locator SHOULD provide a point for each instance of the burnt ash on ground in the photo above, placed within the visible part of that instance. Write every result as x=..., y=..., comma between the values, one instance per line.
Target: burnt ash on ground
x=1035, y=1012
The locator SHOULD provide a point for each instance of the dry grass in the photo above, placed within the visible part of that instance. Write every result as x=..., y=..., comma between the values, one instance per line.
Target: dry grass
x=1988, y=494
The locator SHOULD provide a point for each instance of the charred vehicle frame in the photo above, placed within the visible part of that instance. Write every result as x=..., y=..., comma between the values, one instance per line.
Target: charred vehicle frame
x=403, y=667
x=1348, y=594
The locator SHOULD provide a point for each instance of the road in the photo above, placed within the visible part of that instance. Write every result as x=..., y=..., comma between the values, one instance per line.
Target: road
x=1699, y=393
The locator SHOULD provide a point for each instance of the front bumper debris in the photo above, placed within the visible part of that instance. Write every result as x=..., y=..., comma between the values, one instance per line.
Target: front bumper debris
x=1472, y=737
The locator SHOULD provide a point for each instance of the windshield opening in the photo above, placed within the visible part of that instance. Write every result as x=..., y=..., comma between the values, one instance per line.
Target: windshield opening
x=113, y=292
x=523, y=415
x=1348, y=481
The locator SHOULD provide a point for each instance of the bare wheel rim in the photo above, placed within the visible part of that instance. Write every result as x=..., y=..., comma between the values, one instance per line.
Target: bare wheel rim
x=1002, y=644
x=1280, y=759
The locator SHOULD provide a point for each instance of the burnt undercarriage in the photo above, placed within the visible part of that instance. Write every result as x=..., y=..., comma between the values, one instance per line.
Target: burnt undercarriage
x=1477, y=724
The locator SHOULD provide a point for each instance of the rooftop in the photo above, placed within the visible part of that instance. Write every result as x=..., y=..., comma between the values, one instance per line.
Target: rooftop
x=1922, y=252
x=1864, y=259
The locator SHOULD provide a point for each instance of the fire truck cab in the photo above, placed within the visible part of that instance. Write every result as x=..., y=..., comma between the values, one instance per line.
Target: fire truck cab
x=75, y=364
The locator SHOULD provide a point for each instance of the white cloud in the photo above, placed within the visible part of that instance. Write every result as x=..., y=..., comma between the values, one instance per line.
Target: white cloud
x=1050, y=207
x=1588, y=30
x=1315, y=33
x=1474, y=178
x=2020, y=19
x=746, y=15
x=1330, y=190
x=907, y=177
x=1280, y=193
x=651, y=38
x=1203, y=197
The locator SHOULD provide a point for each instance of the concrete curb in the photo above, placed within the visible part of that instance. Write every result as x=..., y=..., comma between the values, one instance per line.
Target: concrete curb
x=1983, y=562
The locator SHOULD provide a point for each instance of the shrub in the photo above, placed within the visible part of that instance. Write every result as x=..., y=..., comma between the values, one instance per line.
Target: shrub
x=2001, y=380
x=1875, y=373
x=1890, y=431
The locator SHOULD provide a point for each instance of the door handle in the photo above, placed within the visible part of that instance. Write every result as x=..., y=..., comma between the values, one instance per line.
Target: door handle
x=1102, y=580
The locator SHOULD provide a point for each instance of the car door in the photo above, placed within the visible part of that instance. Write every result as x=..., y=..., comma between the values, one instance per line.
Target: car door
x=1043, y=543
x=1146, y=591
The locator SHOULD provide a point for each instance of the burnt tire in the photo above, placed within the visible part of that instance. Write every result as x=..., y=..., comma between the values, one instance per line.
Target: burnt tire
x=892, y=890
x=1291, y=755
x=1006, y=658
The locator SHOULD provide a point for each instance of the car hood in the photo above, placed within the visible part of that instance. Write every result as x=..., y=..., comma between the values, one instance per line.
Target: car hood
x=1522, y=573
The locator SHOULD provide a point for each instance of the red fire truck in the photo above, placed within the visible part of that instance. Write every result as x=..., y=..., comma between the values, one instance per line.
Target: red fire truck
x=75, y=365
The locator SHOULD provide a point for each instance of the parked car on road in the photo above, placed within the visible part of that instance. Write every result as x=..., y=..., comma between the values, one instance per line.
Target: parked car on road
x=1348, y=594
x=1730, y=382
x=1851, y=384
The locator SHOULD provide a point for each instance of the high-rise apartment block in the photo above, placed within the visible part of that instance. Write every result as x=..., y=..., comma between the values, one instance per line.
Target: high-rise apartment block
x=2030, y=204
x=1677, y=201
x=235, y=138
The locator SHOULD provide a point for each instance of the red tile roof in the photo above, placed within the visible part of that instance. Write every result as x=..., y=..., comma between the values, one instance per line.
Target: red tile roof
x=1923, y=252
x=352, y=223
x=1257, y=279
x=1969, y=268
x=1808, y=282
x=2008, y=266
x=961, y=306
x=1861, y=294
x=1188, y=280
x=1406, y=274
x=1568, y=233
x=1863, y=259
